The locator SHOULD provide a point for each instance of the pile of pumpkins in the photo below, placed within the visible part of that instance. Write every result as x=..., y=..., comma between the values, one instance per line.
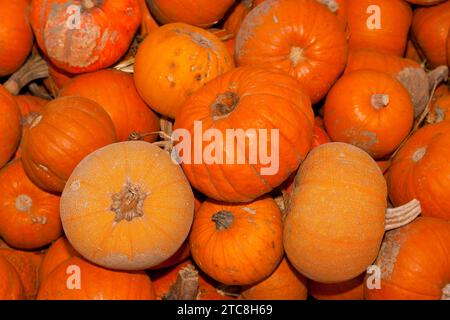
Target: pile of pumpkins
x=95, y=205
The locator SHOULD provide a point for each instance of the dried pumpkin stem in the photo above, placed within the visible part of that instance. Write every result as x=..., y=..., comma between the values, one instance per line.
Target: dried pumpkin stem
x=296, y=55
x=126, y=66
x=401, y=216
x=224, y=104
x=223, y=220
x=380, y=100
x=128, y=203
x=39, y=91
x=186, y=286
x=438, y=75
x=446, y=292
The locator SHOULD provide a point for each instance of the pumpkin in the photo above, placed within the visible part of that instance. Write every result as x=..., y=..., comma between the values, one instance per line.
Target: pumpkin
x=181, y=255
x=115, y=91
x=60, y=251
x=149, y=203
x=285, y=283
x=425, y=2
x=414, y=262
x=176, y=60
x=29, y=218
x=16, y=36
x=339, y=8
x=352, y=289
x=412, y=53
x=430, y=29
x=238, y=13
x=10, y=286
x=201, y=13
x=244, y=100
x=380, y=25
x=335, y=222
x=10, y=125
x=77, y=279
x=420, y=170
x=376, y=117
x=448, y=49
x=94, y=40
x=26, y=265
x=279, y=34
x=148, y=23
x=319, y=137
x=440, y=110
x=68, y=128
x=237, y=244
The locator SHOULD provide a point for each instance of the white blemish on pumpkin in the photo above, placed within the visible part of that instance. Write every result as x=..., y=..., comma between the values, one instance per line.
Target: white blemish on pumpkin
x=36, y=121
x=388, y=253
x=419, y=154
x=275, y=19
x=296, y=55
x=42, y=167
x=249, y=210
x=24, y=203
x=446, y=292
x=75, y=186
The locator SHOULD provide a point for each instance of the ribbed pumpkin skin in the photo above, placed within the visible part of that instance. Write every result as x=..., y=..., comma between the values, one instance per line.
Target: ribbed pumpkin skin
x=93, y=228
x=115, y=91
x=29, y=216
x=391, y=37
x=96, y=283
x=10, y=286
x=16, y=37
x=421, y=170
x=72, y=126
x=279, y=33
x=414, y=262
x=430, y=28
x=10, y=126
x=335, y=222
x=348, y=290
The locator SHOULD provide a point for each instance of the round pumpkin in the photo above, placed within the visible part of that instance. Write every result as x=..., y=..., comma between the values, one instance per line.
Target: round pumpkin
x=176, y=60
x=67, y=130
x=115, y=91
x=130, y=191
x=380, y=25
x=421, y=170
x=87, y=35
x=237, y=244
x=16, y=36
x=10, y=286
x=285, y=283
x=279, y=34
x=348, y=290
x=29, y=218
x=201, y=13
x=242, y=101
x=335, y=222
x=414, y=262
x=370, y=110
x=10, y=126
x=77, y=279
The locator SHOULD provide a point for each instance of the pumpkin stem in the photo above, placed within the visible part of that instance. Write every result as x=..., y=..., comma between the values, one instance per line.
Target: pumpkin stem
x=224, y=104
x=35, y=68
x=186, y=285
x=446, y=292
x=380, y=100
x=401, y=216
x=296, y=55
x=89, y=4
x=24, y=203
x=437, y=76
x=332, y=5
x=128, y=203
x=415, y=81
x=223, y=220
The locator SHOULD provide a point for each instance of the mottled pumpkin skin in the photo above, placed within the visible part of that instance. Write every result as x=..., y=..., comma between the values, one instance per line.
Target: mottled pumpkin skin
x=348, y=290
x=279, y=33
x=10, y=126
x=339, y=197
x=175, y=61
x=105, y=32
x=421, y=170
x=10, y=286
x=414, y=262
x=439, y=110
x=96, y=283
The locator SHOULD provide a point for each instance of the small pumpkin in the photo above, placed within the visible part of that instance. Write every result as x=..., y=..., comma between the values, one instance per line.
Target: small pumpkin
x=77, y=279
x=10, y=286
x=148, y=203
x=414, y=262
x=376, y=117
x=279, y=34
x=68, y=128
x=352, y=289
x=237, y=244
x=10, y=125
x=176, y=60
x=440, y=110
x=29, y=218
x=95, y=40
x=238, y=13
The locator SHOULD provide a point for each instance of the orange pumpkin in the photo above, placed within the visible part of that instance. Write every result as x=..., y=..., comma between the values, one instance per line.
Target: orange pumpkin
x=68, y=128
x=29, y=218
x=421, y=171
x=244, y=99
x=279, y=33
x=201, y=13
x=430, y=28
x=319, y=137
x=181, y=255
x=56, y=80
x=16, y=36
x=149, y=205
x=238, y=13
x=148, y=22
x=77, y=279
x=10, y=286
x=348, y=290
x=176, y=60
x=376, y=117
x=425, y=2
x=237, y=244
x=440, y=110
x=412, y=53
x=285, y=283
x=340, y=9
x=89, y=36
x=380, y=25
x=329, y=210
x=10, y=126
x=414, y=262
x=116, y=93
